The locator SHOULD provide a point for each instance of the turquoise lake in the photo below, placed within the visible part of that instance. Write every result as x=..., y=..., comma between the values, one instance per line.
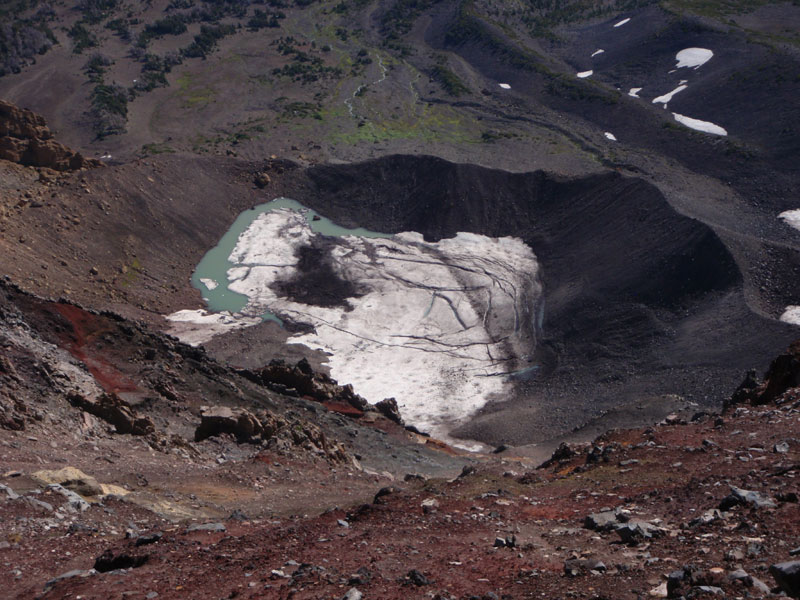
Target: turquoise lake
x=215, y=263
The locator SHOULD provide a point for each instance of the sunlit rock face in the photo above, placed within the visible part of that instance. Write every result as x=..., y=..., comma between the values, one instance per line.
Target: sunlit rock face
x=438, y=326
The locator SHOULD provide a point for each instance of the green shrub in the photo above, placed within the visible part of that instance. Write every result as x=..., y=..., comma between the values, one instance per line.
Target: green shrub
x=95, y=67
x=82, y=38
x=205, y=42
x=261, y=20
x=109, y=109
x=451, y=82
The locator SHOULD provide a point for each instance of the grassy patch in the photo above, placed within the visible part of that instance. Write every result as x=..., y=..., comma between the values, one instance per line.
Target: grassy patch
x=435, y=123
x=714, y=8
x=193, y=94
x=450, y=82
x=157, y=148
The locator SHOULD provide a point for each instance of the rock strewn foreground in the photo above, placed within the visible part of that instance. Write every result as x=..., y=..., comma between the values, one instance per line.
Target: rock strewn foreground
x=207, y=507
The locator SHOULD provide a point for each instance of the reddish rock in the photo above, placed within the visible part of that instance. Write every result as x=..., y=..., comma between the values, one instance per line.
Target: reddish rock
x=26, y=139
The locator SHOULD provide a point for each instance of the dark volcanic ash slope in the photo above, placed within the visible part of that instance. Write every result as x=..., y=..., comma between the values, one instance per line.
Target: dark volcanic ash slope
x=640, y=301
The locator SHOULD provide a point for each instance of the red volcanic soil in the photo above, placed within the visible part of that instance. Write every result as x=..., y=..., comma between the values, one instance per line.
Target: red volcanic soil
x=436, y=538
x=86, y=327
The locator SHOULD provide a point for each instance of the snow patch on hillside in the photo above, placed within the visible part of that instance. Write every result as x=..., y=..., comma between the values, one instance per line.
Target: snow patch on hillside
x=668, y=97
x=791, y=217
x=698, y=125
x=693, y=57
x=791, y=315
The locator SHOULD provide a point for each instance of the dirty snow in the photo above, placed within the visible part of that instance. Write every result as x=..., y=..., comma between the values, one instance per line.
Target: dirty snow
x=436, y=325
x=195, y=327
x=697, y=124
x=693, y=57
x=667, y=97
x=585, y=74
x=791, y=217
x=791, y=315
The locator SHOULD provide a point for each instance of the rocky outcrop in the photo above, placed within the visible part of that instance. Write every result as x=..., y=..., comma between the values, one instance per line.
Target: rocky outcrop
x=781, y=382
x=26, y=139
x=275, y=431
x=113, y=409
x=238, y=422
x=787, y=575
x=301, y=380
x=389, y=409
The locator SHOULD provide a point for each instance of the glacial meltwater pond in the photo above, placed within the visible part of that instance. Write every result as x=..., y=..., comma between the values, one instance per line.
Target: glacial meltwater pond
x=443, y=327
x=211, y=275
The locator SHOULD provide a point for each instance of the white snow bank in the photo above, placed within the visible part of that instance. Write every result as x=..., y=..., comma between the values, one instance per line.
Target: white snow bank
x=585, y=74
x=697, y=124
x=195, y=327
x=667, y=97
x=791, y=217
x=598, y=51
x=505, y=86
x=621, y=23
x=610, y=136
x=634, y=92
x=791, y=315
x=693, y=57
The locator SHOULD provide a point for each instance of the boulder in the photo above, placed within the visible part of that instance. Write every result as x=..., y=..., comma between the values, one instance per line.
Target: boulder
x=740, y=497
x=213, y=527
x=72, y=479
x=787, y=576
x=262, y=180
x=562, y=453
x=581, y=566
x=606, y=520
x=712, y=515
x=69, y=575
x=636, y=531
x=381, y=495
x=74, y=501
x=9, y=493
x=146, y=540
x=353, y=594
x=414, y=577
x=216, y=420
x=113, y=409
x=108, y=561
x=389, y=409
